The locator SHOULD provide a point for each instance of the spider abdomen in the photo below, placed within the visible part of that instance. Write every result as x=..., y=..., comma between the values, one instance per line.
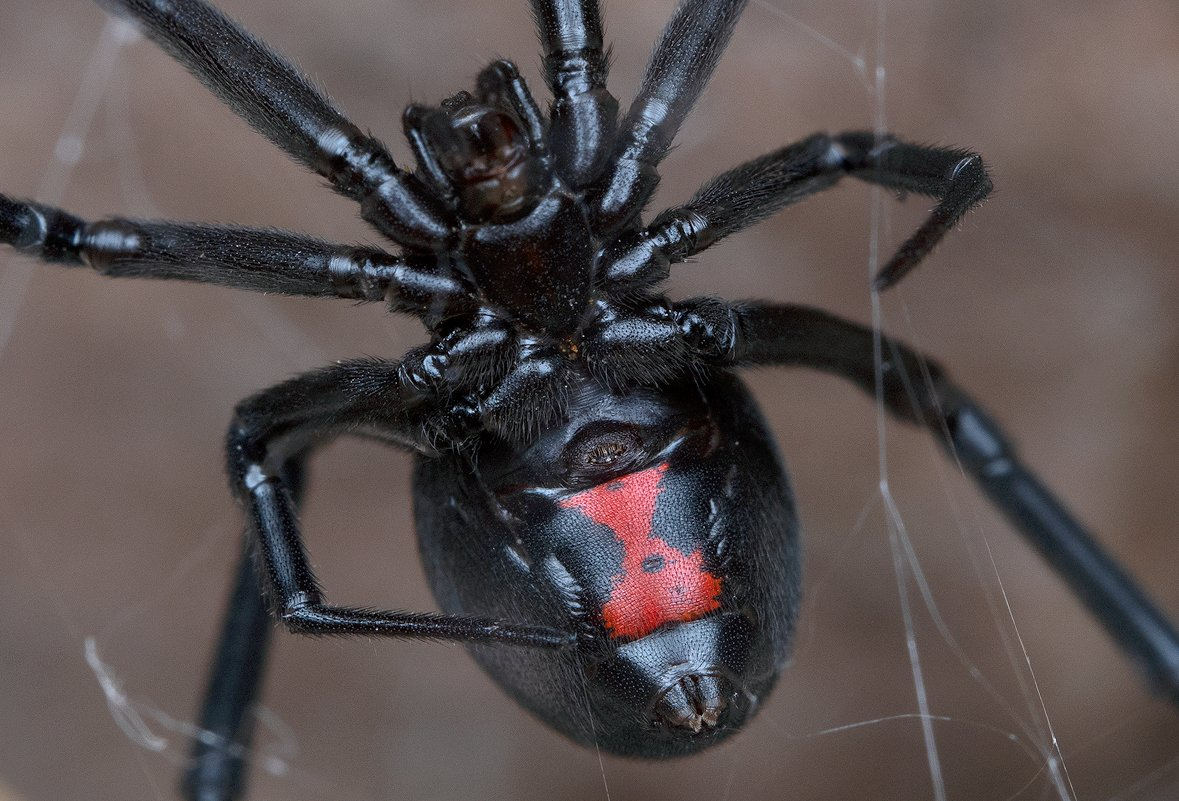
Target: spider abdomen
x=658, y=529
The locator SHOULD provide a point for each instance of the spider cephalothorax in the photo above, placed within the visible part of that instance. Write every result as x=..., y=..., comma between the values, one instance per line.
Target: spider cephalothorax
x=595, y=488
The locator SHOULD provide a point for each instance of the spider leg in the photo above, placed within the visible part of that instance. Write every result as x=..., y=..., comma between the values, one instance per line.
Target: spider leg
x=269, y=442
x=680, y=66
x=784, y=335
x=279, y=102
x=285, y=421
x=265, y=260
x=584, y=115
x=217, y=767
x=746, y=194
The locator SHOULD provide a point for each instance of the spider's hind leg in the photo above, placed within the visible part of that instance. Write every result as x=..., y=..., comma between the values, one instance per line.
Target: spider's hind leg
x=282, y=423
x=787, y=335
x=272, y=434
x=216, y=771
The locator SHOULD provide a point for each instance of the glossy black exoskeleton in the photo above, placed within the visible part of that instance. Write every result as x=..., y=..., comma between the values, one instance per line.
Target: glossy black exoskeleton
x=600, y=509
x=656, y=525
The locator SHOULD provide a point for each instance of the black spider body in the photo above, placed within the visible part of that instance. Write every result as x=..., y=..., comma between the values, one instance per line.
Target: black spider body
x=600, y=509
x=676, y=563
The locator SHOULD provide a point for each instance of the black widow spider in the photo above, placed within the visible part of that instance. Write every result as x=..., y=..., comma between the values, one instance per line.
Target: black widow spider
x=573, y=388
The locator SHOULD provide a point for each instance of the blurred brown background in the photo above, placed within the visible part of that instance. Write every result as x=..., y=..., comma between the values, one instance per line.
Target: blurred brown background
x=1058, y=303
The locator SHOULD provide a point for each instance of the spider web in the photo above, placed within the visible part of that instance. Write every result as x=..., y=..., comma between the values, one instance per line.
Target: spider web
x=910, y=679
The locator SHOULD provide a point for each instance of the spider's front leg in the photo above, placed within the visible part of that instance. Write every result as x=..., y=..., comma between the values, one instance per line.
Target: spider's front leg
x=258, y=259
x=681, y=64
x=270, y=94
x=584, y=114
x=915, y=389
x=956, y=179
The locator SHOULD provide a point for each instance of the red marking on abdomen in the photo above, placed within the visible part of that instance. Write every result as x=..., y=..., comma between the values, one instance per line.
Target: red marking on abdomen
x=658, y=584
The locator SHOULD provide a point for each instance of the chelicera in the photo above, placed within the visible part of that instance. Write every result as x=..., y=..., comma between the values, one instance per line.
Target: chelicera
x=601, y=511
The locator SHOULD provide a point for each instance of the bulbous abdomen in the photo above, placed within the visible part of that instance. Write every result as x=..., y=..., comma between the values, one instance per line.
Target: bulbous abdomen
x=688, y=662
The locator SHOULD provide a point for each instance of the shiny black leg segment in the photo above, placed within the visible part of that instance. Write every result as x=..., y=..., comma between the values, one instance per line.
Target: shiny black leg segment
x=763, y=334
x=280, y=423
x=957, y=179
x=43, y=232
x=584, y=115
x=263, y=260
x=275, y=99
x=217, y=769
x=459, y=362
x=749, y=193
x=681, y=64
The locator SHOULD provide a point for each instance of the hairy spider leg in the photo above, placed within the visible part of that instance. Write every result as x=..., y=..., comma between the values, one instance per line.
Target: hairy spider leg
x=707, y=331
x=217, y=764
x=787, y=335
x=269, y=441
x=635, y=340
x=752, y=191
x=681, y=64
x=283, y=423
x=272, y=96
x=258, y=259
x=583, y=115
